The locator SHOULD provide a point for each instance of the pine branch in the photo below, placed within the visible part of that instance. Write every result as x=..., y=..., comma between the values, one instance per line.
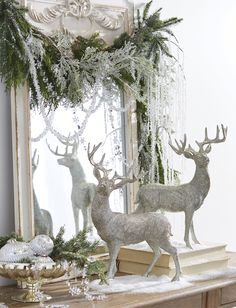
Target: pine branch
x=146, y=10
x=77, y=250
x=4, y=239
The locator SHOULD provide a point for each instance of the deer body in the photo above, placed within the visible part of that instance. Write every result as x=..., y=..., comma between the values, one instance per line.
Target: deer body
x=187, y=197
x=118, y=229
x=181, y=198
x=82, y=192
x=42, y=219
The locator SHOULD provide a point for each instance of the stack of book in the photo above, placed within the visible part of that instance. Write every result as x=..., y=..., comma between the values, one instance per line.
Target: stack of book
x=135, y=259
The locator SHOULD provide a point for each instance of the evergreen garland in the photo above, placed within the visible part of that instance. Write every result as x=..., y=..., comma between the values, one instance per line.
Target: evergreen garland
x=18, y=37
x=14, y=28
x=27, y=55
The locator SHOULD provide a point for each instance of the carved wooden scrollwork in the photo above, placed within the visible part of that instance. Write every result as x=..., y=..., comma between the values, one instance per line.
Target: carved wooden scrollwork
x=77, y=9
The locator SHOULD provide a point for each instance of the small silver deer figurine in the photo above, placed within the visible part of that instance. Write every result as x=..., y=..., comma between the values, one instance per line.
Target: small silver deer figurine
x=82, y=192
x=118, y=229
x=42, y=218
x=187, y=197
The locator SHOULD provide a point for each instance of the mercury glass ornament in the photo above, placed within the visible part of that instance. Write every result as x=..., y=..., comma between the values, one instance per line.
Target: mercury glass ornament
x=42, y=245
x=14, y=251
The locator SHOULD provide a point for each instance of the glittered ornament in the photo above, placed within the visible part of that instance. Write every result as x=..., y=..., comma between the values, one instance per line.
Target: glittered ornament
x=41, y=245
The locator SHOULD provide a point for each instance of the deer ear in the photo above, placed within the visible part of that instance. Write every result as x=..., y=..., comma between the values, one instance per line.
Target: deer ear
x=208, y=149
x=97, y=174
x=188, y=155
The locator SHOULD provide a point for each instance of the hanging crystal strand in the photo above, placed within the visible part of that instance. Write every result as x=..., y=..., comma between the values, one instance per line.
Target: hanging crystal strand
x=153, y=125
x=50, y=118
x=157, y=106
x=169, y=114
x=182, y=100
x=149, y=131
x=105, y=111
x=164, y=115
x=94, y=104
x=40, y=136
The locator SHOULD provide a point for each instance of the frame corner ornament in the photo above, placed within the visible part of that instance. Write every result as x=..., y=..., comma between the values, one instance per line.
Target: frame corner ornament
x=77, y=9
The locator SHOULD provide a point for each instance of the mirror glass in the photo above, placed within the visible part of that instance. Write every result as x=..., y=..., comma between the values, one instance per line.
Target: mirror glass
x=63, y=181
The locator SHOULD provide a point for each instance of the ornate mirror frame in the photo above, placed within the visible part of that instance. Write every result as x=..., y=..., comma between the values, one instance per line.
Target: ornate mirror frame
x=20, y=109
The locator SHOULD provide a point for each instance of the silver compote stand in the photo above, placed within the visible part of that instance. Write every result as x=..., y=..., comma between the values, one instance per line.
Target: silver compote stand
x=33, y=275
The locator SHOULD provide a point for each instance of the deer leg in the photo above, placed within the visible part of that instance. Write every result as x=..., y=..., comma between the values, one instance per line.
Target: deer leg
x=113, y=253
x=90, y=222
x=173, y=252
x=194, y=238
x=76, y=217
x=85, y=216
x=157, y=253
x=188, y=221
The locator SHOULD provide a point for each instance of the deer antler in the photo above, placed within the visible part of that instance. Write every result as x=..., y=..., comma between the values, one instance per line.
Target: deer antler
x=123, y=180
x=74, y=143
x=180, y=148
x=56, y=151
x=97, y=166
x=208, y=141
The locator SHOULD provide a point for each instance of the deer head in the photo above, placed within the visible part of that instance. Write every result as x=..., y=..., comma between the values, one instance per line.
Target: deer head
x=68, y=158
x=200, y=157
x=105, y=184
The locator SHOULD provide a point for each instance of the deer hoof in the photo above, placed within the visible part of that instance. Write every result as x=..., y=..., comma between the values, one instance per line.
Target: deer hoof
x=175, y=278
x=189, y=245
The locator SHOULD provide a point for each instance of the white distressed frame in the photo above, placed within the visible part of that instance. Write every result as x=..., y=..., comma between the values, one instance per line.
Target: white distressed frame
x=21, y=144
x=22, y=168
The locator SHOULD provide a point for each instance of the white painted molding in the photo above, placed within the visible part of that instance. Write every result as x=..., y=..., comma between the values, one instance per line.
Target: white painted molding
x=77, y=9
x=22, y=169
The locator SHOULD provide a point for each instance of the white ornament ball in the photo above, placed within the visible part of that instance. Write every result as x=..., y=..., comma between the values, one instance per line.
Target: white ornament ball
x=42, y=245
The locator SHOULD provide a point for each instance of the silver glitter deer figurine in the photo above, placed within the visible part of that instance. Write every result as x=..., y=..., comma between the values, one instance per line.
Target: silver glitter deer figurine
x=187, y=197
x=82, y=192
x=118, y=229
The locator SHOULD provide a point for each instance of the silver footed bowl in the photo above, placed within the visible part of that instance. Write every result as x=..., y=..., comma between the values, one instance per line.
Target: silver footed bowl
x=33, y=275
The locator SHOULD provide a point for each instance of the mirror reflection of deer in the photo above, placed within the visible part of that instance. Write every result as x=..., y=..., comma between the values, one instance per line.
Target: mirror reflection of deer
x=118, y=229
x=42, y=218
x=188, y=197
x=82, y=192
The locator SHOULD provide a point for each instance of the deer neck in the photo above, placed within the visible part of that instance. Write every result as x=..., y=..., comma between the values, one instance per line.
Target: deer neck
x=201, y=180
x=101, y=212
x=77, y=173
x=36, y=205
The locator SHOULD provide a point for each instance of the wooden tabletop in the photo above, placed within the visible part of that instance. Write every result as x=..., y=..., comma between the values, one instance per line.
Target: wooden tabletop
x=60, y=295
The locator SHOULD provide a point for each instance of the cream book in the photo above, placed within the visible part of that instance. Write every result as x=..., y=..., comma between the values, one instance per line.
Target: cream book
x=143, y=254
x=199, y=267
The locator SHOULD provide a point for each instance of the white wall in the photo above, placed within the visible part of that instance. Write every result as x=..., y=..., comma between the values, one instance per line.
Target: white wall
x=207, y=35
x=6, y=181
